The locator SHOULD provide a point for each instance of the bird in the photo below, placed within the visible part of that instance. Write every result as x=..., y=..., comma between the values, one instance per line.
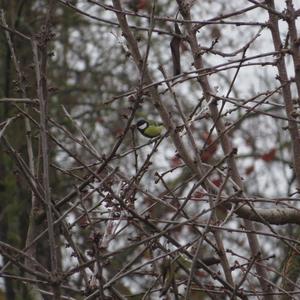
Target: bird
x=149, y=129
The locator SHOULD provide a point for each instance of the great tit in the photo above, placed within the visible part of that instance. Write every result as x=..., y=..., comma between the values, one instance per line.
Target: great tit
x=149, y=129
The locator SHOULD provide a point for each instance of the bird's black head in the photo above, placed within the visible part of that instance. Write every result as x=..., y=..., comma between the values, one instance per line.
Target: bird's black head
x=142, y=124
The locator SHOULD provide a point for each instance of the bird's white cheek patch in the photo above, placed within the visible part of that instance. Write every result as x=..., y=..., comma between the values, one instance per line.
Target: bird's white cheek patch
x=143, y=126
